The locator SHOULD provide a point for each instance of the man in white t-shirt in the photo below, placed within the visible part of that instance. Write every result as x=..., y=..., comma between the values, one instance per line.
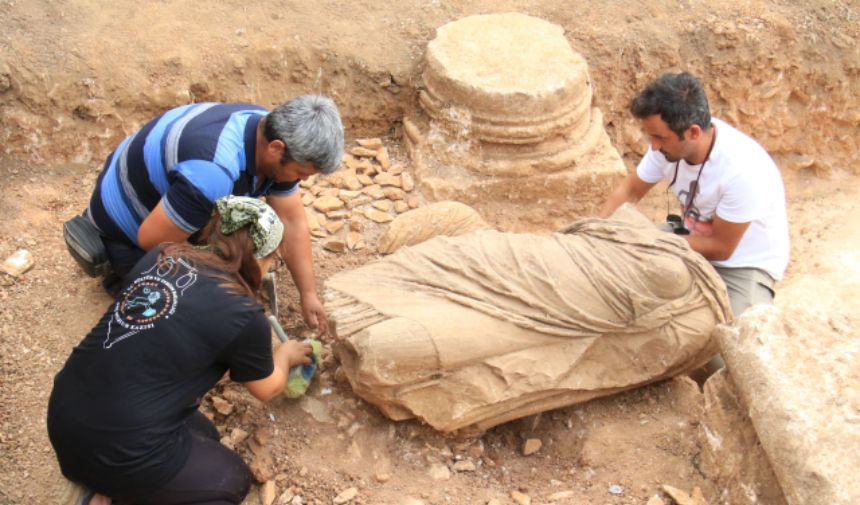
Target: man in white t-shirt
x=731, y=196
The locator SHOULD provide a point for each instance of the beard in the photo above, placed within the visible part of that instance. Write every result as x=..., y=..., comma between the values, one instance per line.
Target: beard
x=669, y=157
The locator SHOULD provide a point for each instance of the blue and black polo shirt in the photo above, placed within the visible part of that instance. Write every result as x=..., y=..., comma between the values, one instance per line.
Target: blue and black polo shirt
x=186, y=158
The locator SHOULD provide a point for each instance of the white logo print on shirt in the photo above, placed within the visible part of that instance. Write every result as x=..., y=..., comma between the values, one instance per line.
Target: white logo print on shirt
x=149, y=298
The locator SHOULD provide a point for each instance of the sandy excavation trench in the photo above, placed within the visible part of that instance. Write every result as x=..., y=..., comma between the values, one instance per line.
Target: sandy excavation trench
x=786, y=74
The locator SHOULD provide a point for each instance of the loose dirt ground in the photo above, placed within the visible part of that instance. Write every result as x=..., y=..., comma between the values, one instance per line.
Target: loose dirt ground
x=76, y=76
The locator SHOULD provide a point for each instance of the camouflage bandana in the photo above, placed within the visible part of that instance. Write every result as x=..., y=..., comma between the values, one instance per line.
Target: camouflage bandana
x=240, y=211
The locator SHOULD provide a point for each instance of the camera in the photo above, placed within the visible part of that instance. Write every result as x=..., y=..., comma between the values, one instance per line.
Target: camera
x=675, y=224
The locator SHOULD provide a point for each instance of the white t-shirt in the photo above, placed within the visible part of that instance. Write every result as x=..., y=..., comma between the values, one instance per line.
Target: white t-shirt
x=740, y=183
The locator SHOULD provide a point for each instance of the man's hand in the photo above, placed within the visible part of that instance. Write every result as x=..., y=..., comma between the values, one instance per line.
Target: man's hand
x=631, y=190
x=314, y=314
x=296, y=250
x=722, y=242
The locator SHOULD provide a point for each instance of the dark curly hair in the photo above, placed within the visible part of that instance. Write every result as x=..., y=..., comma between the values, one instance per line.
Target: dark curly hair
x=679, y=99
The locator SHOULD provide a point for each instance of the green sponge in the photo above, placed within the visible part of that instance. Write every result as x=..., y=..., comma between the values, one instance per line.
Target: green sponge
x=300, y=376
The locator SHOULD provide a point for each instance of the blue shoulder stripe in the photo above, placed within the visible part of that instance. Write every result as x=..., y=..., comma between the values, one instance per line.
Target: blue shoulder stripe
x=114, y=200
x=231, y=150
x=153, y=148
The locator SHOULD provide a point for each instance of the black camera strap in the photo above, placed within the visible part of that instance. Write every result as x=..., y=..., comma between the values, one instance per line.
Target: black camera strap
x=695, y=186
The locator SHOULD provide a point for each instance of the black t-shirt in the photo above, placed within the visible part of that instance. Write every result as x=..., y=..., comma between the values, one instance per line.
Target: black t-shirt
x=117, y=412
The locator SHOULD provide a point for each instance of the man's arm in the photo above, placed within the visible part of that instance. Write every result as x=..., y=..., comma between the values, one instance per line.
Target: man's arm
x=158, y=228
x=721, y=244
x=296, y=250
x=631, y=190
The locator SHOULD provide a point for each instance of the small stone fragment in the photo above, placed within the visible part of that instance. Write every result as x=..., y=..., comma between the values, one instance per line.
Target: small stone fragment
x=352, y=182
x=261, y=468
x=615, y=489
x=412, y=132
x=363, y=152
x=351, y=162
x=18, y=263
x=238, y=435
x=365, y=167
x=412, y=202
x=561, y=495
x=319, y=233
x=364, y=179
x=531, y=446
x=267, y=493
x=307, y=199
x=400, y=206
x=223, y=407
x=263, y=436
x=334, y=245
x=383, y=159
x=334, y=226
x=347, y=194
x=393, y=193
x=682, y=498
x=655, y=500
x=358, y=201
x=346, y=495
x=521, y=498
x=382, y=477
x=374, y=191
x=378, y=216
x=494, y=501
x=333, y=191
x=464, y=466
x=383, y=205
x=285, y=497
x=396, y=169
x=438, y=471
x=386, y=179
x=337, y=214
x=407, y=182
x=371, y=143
x=353, y=239
x=355, y=225
x=327, y=204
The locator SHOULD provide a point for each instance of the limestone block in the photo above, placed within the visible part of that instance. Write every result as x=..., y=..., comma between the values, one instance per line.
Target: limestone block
x=508, y=117
x=377, y=216
x=732, y=455
x=328, y=203
x=440, y=218
x=371, y=143
x=796, y=372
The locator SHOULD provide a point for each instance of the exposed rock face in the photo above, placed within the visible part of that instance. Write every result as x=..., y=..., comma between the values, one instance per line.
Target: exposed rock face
x=476, y=330
x=732, y=455
x=440, y=218
x=509, y=117
x=797, y=374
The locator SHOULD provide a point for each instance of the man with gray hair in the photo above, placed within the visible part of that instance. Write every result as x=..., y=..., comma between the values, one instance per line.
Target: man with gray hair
x=160, y=183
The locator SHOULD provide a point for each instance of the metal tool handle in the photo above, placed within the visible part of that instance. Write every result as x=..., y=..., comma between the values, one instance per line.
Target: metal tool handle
x=278, y=330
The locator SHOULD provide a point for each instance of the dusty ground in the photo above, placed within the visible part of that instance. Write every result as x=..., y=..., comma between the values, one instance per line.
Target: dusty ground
x=75, y=78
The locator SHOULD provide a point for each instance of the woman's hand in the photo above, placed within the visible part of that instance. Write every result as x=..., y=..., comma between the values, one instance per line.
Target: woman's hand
x=295, y=353
x=289, y=354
